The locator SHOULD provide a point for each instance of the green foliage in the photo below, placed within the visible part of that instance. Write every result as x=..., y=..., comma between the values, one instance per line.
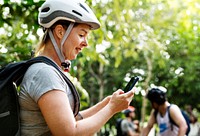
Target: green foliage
x=166, y=33
x=18, y=24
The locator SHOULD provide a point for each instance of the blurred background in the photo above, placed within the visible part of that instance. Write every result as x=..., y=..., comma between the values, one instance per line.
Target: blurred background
x=156, y=40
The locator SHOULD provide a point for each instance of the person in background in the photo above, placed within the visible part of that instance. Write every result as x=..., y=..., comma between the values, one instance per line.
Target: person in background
x=194, y=126
x=127, y=125
x=160, y=115
x=48, y=104
x=137, y=125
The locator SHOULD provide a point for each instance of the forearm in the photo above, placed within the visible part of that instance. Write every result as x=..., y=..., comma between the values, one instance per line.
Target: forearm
x=132, y=133
x=63, y=122
x=103, y=112
x=181, y=134
x=182, y=131
x=92, y=124
x=145, y=131
x=94, y=109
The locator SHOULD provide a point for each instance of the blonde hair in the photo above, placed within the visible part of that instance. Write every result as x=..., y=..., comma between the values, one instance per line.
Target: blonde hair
x=41, y=45
x=39, y=49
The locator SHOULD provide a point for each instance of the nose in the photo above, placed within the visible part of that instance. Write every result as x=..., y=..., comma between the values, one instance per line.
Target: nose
x=85, y=42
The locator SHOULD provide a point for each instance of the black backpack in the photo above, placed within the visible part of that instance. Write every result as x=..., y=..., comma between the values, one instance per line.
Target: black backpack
x=173, y=123
x=10, y=78
x=118, y=126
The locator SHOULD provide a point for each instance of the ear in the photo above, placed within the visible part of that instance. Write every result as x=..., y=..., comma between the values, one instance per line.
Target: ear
x=59, y=31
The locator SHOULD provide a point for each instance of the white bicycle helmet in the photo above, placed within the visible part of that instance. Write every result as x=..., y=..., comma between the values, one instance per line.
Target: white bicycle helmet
x=74, y=11
x=71, y=10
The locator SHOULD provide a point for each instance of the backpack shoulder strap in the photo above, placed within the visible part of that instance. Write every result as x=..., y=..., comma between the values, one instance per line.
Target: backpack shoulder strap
x=171, y=120
x=72, y=87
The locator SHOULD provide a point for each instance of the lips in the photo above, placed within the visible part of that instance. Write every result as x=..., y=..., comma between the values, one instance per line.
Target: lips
x=78, y=49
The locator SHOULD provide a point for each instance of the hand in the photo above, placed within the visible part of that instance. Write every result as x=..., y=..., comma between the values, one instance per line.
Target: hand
x=120, y=100
x=107, y=99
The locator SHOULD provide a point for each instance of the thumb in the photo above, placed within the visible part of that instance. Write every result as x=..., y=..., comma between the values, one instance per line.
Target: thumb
x=130, y=93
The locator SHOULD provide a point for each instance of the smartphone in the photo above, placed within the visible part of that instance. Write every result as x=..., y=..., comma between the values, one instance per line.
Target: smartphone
x=131, y=84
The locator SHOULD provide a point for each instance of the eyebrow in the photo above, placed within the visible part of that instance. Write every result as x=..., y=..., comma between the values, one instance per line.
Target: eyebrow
x=84, y=30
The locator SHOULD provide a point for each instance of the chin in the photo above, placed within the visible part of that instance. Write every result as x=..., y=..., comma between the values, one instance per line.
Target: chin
x=73, y=58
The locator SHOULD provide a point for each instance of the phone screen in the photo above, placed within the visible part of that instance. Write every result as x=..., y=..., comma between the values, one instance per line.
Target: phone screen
x=131, y=84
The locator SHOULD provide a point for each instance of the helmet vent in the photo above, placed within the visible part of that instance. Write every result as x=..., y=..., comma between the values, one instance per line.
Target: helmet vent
x=77, y=13
x=46, y=9
x=81, y=5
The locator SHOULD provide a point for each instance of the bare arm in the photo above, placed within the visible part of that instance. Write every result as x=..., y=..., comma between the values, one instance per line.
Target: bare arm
x=56, y=110
x=151, y=122
x=177, y=117
x=94, y=109
x=131, y=133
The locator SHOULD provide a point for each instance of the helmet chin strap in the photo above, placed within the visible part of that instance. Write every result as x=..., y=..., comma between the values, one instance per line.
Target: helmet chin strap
x=64, y=63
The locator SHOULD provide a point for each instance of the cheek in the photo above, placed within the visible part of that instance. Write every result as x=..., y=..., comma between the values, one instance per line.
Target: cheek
x=73, y=41
x=69, y=44
x=67, y=48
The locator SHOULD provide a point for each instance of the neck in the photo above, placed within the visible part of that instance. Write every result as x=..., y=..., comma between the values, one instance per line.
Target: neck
x=129, y=119
x=50, y=52
x=163, y=108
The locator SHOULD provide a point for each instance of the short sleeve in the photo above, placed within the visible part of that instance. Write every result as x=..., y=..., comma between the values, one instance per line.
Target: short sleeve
x=43, y=80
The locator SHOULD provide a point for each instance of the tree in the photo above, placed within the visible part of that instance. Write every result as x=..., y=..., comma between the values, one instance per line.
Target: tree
x=156, y=40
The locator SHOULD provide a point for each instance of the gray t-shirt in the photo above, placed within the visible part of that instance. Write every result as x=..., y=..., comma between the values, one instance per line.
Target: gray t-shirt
x=127, y=126
x=39, y=79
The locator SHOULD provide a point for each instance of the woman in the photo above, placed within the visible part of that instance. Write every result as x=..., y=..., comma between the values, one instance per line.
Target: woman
x=46, y=100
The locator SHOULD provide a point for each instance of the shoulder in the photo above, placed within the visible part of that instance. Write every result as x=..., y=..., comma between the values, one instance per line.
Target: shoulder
x=174, y=111
x=174, y=108
x=41, y=69
x=40, y=66
x=198, y=124
x=41, y=78
x=176, y=115
x=124, y=121
x=43, y=74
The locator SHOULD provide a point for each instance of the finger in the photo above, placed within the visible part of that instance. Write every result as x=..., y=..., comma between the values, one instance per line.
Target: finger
x=129, y=94
x=120, y=91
